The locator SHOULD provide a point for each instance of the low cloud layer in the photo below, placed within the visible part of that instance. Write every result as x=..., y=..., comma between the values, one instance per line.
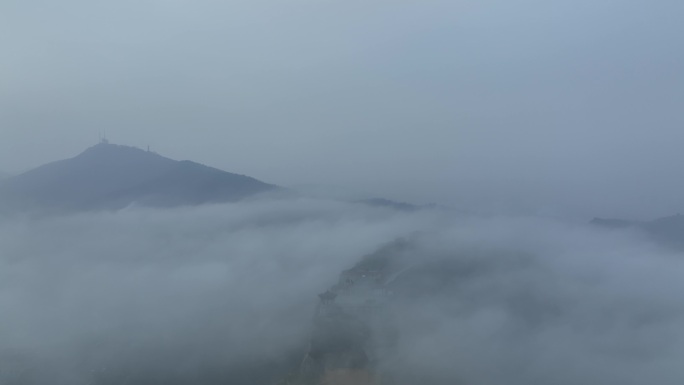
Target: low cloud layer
x=528, y=301
x=217, y=293
x=165, y=295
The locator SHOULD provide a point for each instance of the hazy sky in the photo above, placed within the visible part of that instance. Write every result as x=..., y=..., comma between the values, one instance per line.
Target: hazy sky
x=571, y=107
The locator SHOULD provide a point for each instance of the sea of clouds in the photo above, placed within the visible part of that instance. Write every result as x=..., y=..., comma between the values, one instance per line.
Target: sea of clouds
x=226, y=293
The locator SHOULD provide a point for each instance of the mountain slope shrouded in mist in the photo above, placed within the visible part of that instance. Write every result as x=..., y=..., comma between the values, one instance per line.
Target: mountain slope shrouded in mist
x=667, y=231
x=108, y=176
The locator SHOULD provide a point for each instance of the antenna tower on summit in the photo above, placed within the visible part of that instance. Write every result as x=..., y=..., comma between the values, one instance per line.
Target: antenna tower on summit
x=103, y=138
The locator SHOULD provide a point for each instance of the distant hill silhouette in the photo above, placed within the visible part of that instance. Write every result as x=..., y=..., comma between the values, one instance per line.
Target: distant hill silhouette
x=382, y=202
x=668, y=230
x=109, y=176
x=407, y=207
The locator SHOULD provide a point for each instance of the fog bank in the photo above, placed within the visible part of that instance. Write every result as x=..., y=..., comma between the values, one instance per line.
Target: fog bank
x=225, y=294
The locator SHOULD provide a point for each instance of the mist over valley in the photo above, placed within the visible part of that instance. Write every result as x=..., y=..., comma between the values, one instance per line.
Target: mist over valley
x=237, y=292
x=434, y=192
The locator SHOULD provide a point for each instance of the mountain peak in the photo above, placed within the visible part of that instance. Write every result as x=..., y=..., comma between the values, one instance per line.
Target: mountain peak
x=112, y=176
x=107, y=149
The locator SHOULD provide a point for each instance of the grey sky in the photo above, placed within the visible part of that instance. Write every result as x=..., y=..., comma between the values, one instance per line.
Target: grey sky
x=550, y=106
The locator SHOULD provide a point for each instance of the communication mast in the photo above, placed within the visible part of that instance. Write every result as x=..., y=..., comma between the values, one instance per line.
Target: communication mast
x=103, y=138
